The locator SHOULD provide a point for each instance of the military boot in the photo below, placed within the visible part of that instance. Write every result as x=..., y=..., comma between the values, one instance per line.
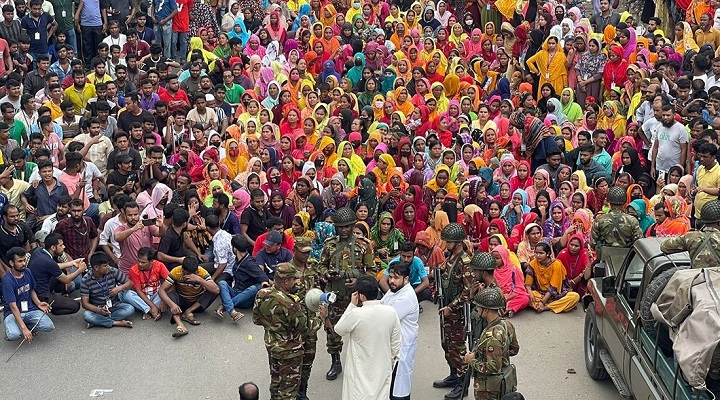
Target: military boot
x=335, y=368
x=449, y=381
x=459, y=391
x=302, y=393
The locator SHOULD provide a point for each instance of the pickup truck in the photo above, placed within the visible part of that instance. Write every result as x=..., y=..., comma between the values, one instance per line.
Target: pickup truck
x=621, y=339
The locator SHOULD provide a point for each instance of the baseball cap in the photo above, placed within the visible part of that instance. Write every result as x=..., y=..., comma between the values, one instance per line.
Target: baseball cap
x=40, y=236
x=124, y=159
x=273, y=237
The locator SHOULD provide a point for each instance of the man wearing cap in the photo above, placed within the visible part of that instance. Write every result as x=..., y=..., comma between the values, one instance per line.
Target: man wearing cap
x=124, y=176
x=702, y=245
x=280, y=312
x=616, y=228
x=273, y=253
x=309, y=279
x=345, y=258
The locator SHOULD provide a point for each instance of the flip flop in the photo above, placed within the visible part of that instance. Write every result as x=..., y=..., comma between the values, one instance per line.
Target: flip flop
x=219, y=313
x=179, y=332
x=190, y=319
x=236, y=316
x=157, y=316
x=146, y=317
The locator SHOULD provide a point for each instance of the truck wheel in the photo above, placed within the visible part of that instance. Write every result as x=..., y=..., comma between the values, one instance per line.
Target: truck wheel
x=652, y=292
x=592, y=342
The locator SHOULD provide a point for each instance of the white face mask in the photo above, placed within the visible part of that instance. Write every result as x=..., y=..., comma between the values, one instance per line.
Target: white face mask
x=356, y=6
x=378, y=104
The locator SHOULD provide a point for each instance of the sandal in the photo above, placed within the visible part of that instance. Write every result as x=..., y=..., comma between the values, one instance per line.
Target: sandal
x=190, y=319
x=510, y=314
x=179, y=332
x=236, y=316
x=219, y=313
x=157, y=316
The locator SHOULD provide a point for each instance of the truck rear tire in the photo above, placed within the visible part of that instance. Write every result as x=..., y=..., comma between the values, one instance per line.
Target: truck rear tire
x=652, y=292
x=592, y=343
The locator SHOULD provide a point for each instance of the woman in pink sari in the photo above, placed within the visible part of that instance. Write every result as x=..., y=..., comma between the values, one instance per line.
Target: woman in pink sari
x=510, y=280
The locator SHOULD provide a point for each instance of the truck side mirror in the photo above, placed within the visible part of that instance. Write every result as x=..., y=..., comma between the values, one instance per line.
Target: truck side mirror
x=608, y=286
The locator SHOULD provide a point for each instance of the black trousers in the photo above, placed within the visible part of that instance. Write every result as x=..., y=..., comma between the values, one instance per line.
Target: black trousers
x=62, y=305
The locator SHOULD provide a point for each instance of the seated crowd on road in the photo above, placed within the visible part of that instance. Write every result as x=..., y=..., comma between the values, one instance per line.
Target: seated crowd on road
x=151, y=162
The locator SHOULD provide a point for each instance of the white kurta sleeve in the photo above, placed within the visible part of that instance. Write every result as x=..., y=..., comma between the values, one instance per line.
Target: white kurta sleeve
x=347, y=321
x=395, y=339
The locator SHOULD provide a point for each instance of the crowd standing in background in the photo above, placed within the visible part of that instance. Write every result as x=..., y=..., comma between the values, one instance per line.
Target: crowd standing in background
x=155, y=156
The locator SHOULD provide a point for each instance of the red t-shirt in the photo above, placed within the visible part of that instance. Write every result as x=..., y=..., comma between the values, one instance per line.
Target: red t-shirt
x=169, y=99
x=181, y=20
x=4, y=49
x=149, y=281
x=141, y=48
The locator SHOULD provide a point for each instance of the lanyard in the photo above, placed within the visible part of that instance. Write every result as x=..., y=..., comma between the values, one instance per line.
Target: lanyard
x=105, y=287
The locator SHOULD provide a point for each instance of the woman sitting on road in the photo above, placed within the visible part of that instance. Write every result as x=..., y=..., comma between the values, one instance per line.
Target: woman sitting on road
x=546, y=281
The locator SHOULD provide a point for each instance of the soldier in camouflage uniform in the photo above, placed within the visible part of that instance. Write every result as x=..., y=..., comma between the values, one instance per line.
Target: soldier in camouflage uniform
x=457, y=282
x=280, y=312
x=344, y=259
x=309, y=279
x=702, y=245
x=616, y=228
x=483, y=265
x=490, y=357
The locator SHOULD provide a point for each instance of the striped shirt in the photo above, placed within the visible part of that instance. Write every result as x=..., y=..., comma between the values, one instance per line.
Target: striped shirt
x=98, y=290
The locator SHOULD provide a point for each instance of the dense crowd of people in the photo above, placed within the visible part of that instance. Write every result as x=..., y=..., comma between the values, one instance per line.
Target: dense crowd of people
x=157, y=156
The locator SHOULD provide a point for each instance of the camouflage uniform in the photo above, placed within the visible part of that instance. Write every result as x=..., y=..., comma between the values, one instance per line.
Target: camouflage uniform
x=285, y=323
x=703, y=247
x=492, y=355
x=350, y=260
x=457, y=281
x=614, y=229
x=309, y=278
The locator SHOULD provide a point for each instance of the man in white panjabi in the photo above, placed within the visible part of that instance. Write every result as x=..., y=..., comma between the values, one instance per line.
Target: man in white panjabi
x=372, y=332
x=403, y=299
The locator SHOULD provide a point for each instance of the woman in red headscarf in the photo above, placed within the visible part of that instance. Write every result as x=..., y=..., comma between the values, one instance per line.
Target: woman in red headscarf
x=576, y=260
x=615, y=72
x=408, y=222
x=275, y=28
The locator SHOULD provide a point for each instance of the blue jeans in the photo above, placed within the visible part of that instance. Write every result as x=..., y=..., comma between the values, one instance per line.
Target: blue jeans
x=118, y=312
x=72, y=40
x=13, y=331
x=93, y=211
x=232, y=297
x=131, y=297
x=181, y=37
x=75, y=284
x=163, y=35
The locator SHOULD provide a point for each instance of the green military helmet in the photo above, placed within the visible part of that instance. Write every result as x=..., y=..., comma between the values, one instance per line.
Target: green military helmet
x=710, y=212
x=453, y=232
x=483, y=262
x=344, y=217
x=490, y=298
x=617, y=196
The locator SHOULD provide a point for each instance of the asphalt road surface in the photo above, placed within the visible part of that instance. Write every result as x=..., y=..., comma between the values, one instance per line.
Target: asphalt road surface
x=145, y=362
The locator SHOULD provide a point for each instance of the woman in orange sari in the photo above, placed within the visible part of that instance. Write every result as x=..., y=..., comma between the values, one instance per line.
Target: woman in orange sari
x=675, y=223
x=403, y=102
x=549, y=64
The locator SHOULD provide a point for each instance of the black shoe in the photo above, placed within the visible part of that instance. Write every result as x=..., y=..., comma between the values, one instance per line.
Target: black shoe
x=335, y=368
x=302, y=393
x=449, y=381
x=458, y=391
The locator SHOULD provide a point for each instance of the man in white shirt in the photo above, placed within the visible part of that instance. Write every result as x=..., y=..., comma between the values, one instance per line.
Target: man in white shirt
x=403, y=299
x=62, y=209
x=107, y=242
x=97, y=147
x=372, y=333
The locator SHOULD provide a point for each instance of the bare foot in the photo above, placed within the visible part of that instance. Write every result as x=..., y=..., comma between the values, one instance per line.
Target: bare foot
x=123, y=323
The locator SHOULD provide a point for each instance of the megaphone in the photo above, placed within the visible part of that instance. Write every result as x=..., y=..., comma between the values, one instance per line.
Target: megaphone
x=315, y=297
